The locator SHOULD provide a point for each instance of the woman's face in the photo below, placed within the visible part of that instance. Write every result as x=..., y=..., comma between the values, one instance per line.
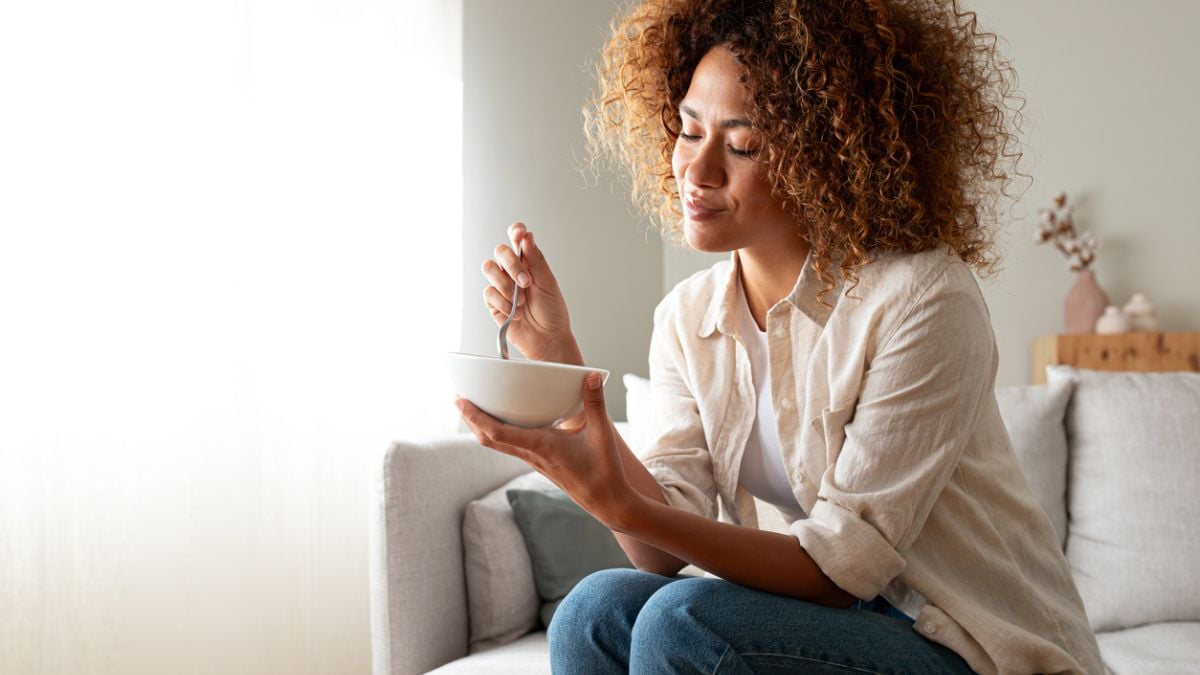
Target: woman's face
x=723, y=188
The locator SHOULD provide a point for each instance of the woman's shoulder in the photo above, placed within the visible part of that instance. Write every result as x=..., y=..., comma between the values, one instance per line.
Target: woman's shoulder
x=934, y=287
x=900, y=278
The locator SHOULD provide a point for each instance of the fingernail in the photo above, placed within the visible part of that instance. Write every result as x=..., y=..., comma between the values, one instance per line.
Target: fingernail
x=523, y=279
x=594, y=382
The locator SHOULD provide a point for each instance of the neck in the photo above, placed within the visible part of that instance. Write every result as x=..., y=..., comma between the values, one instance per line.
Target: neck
x=769, y=275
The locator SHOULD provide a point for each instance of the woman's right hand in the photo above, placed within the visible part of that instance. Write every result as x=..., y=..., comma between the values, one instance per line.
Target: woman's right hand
x=541, y=328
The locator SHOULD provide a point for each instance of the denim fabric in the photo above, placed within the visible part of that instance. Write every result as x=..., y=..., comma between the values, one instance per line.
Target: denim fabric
x=629, y=621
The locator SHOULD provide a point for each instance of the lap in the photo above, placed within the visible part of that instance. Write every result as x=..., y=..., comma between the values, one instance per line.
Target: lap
x=774, y=633
x=683, y=623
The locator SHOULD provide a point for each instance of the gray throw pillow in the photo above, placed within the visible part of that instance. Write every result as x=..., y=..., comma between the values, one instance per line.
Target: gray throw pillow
x=565, y=543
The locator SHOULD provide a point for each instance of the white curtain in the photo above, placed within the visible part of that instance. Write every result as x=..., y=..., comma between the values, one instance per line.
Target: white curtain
x=229, y=263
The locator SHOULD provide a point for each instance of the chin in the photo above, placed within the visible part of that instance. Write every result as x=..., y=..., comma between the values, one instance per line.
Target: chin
x=702, y=237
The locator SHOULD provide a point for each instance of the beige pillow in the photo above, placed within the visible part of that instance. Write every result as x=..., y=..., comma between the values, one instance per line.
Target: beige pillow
x=502, y=600
x=1035, y=418
x=1134, y=536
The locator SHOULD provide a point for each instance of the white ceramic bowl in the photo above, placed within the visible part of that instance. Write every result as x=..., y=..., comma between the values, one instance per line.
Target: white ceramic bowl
x=519, y=392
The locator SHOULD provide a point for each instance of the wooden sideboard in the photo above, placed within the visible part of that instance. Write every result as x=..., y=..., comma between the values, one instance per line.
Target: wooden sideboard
x=1143, y=351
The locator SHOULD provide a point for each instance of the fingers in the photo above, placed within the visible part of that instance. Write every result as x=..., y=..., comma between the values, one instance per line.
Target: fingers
x=500, y=281
x=515, y=232
x=482, y=436
x=493, y=433
x=507, y=257
x=499, y=306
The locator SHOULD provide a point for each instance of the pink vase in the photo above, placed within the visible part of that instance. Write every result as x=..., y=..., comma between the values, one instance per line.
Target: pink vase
x=1084, y=304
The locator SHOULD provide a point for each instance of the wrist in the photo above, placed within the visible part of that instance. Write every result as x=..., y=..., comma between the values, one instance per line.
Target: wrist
x=625, y=509
x=569, y=354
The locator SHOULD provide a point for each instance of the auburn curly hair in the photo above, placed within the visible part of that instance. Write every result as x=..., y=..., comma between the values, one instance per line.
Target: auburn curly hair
x=885, y=121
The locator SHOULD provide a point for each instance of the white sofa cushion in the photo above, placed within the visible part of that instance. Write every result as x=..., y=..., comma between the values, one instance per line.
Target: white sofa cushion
x=1157, y=649
x=501, y=597
x=529, y=655
x=1034, y=416
x=1131, y=495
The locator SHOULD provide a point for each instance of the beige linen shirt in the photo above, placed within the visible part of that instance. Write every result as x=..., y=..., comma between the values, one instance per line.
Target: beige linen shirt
x=893, y=443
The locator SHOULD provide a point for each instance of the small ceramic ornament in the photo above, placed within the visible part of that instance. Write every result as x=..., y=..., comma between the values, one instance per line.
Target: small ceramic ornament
x=1112, y=321
x=1141, y=313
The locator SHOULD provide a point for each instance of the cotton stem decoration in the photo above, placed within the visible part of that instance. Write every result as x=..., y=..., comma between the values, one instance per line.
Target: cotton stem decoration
x=1057, y=226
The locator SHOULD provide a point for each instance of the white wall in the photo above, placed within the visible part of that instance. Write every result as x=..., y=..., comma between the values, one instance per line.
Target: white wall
x=1113, y=118
x=1110, y=118
x=525, y=81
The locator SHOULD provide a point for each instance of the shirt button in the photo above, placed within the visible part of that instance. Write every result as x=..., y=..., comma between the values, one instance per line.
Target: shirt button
x=929, y=628
x=785, y=403
x=801, y=477
x=779, y=332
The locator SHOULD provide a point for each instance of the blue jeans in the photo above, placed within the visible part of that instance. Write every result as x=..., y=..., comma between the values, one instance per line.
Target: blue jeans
x=628, y=621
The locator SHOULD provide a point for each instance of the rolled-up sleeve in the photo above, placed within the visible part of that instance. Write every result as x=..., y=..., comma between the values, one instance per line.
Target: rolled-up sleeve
x=676, y=451
x=917, y=406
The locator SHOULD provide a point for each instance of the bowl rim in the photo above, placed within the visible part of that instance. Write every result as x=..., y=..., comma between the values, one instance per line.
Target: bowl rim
x=536, y=364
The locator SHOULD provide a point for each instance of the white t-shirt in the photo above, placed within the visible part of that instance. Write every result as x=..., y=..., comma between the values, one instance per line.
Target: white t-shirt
x=762, y=471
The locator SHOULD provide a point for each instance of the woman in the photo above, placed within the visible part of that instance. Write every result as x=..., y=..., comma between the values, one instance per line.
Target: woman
x=840, y=365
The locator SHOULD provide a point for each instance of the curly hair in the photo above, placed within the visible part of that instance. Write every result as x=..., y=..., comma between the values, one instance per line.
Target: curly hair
x=885, y=121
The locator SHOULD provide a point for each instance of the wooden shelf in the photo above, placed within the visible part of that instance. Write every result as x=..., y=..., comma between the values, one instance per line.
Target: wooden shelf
x=1141, y=351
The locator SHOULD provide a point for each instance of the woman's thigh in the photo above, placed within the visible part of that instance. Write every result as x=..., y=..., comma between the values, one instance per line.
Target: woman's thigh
x=590, y=629
x=715, y=626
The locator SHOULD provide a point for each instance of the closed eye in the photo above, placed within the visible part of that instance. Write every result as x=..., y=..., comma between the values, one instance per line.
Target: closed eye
x=736, y=151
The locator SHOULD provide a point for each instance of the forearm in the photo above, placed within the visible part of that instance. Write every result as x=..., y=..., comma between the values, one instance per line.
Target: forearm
x=768, y=561
x=643, y=555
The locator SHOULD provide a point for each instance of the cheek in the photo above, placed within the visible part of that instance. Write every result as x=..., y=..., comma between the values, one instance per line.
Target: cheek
x=753, y=192
x=678, y=164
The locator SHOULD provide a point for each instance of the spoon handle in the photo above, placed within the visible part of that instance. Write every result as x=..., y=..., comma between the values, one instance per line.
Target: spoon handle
x=501, y=339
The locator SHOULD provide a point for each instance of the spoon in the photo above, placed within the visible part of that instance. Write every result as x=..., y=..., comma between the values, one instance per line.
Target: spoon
x=512, y=312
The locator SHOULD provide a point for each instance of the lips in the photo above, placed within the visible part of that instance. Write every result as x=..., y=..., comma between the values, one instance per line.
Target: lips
x=698, y=210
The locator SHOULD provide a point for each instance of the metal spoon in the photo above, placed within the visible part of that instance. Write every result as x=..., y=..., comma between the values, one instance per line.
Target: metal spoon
x=512, y=312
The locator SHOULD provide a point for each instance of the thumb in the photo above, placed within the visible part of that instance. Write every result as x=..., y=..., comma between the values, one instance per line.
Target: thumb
x=593, y=398
x=537, y=262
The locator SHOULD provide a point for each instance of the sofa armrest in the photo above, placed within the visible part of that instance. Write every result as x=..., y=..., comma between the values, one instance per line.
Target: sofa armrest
x=419, y=491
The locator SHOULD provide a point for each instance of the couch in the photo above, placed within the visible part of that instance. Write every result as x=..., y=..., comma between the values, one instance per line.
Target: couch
x=1112, y=458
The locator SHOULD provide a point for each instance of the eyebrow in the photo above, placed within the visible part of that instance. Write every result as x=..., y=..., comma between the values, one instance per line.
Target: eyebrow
x=726, y=124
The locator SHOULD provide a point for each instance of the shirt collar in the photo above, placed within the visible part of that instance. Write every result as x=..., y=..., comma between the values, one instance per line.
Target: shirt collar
x=721, y=313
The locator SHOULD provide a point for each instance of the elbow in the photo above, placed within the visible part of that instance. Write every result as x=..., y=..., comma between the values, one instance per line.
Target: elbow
x=656, y=565
x=839, y=599
x=661, y=570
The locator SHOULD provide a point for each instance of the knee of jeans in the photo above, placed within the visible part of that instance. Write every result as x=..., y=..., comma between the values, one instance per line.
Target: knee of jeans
x=603, y=586
x=681, y=602
x=590, y=599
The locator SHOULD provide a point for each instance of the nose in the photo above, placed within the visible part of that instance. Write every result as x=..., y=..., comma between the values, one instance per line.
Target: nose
x=706, y=168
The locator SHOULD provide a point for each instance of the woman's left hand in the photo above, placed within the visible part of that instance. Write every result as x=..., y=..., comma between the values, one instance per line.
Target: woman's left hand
x=583, y=461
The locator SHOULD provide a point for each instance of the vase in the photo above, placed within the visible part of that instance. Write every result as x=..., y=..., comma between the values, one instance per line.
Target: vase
x=1085, y=303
